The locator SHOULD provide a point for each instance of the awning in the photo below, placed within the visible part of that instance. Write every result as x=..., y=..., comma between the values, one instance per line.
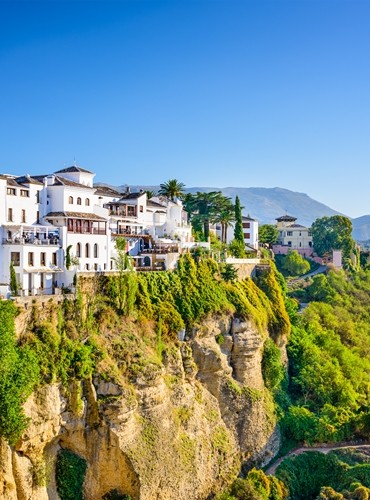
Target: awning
x=42, y=270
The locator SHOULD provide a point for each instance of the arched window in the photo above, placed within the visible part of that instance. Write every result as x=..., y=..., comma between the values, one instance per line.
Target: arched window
x=78, y=250
x=70, y=200
x=96, y=252
x=87, y=250
x=79, y=201
x=87, y=202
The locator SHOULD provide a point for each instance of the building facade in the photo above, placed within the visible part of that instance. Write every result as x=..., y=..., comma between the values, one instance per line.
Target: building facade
x=52, y=226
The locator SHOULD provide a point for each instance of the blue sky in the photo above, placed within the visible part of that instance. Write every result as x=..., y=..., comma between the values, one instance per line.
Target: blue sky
x=249, y=93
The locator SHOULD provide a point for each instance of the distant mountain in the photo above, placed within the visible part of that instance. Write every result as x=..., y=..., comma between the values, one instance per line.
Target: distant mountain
x=361, y=228
x=266, y=204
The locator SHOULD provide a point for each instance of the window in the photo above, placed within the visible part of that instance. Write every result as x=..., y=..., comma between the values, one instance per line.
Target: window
x=141, y=208
x=10, y=215
x=289, y=233
x=79, y=201
x=42, y=259
x=15, y=257
x=289, y=243
x=87, y=250
x=38, y=217
x=246, y=225
x=87, y=267
x=11, y=191
x=25, y=193
x=54, y=259
x=95, y=267
x=247, y=236
x=96, y=251
x=30, y=258
x=87, y=202
x=37, y=196
x=23, y=215
x=78, y=250
x=70, y=200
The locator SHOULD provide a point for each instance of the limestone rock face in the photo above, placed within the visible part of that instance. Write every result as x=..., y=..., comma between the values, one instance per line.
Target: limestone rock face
x=181, y=431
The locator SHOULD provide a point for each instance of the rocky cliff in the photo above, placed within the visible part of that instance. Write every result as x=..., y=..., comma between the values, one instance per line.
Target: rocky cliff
x=153, y=421
x=182, y=431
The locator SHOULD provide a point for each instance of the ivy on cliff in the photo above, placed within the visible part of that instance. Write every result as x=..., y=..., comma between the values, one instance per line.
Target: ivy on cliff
x=19, y=374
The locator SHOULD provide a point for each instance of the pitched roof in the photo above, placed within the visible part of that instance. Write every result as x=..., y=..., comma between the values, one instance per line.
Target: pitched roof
x=286, y=218
x=248, y=218
x=62, y=181
x=74, y=215
x=26, y=179
x=73, y=168
x=107, y=191
x=154, y=204
x=132, y=196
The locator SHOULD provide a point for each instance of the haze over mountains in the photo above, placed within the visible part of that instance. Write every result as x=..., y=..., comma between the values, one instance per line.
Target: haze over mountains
x=266, y=204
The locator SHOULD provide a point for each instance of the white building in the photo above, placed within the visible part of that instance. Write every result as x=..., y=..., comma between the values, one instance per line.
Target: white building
x=48, y=221
x=292, y=235
x=250, y=231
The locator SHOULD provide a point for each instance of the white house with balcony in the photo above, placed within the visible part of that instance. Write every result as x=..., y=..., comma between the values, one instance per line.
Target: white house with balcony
x=29, y=243
x=48, y=220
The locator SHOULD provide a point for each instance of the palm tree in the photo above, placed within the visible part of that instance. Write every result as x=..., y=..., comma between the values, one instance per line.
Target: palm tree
x=150, y=194
x=225, y=216
x=204, y=209
x=172, y=189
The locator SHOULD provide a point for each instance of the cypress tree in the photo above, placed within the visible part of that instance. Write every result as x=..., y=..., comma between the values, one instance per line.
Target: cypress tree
x=238, y=231
x=13, y=280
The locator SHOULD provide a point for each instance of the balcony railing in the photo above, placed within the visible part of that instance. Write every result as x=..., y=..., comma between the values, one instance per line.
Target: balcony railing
x=31, y=241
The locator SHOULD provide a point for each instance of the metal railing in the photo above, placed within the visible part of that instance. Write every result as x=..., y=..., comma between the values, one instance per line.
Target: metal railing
x=31, y=241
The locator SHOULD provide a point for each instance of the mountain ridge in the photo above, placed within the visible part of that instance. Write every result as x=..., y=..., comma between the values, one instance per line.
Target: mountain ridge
x=266, y=204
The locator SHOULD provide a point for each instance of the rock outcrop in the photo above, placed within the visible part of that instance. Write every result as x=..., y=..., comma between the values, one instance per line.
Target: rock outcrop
x=181, y=430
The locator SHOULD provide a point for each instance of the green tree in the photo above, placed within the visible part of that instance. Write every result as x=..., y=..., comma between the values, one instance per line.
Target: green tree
x=205, y=209
x=13, y=280
x=294, y=264
x=237, y=249
x=333, y=233
x=150, y=194
x=238, y=231
x=172, y=189
x=268, y=234
x=225, y=216
x=126, y=284
x=229, y=273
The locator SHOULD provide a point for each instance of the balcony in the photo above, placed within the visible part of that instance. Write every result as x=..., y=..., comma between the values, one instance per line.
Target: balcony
x=32, y=241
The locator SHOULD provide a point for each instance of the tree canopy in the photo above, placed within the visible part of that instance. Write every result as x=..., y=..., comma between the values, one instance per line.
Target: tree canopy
x=268, y=234
x=333, y=233
x=208, y=208
x=172, y=189
x=294, y=264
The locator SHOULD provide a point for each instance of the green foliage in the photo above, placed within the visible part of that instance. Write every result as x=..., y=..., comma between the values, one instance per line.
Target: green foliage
x=268, y=234
x=329, y=361
x=272, y=368
x=294, y=264
x=207, y=208
x=333, y=233
x=124, y=289
x=315, y=475
x=70, y=475
x=256, y=486
x=18, y=376
x=228, y=272
x=237, y=248
x=172, y=189
x=13, y=280
x=238, y=230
